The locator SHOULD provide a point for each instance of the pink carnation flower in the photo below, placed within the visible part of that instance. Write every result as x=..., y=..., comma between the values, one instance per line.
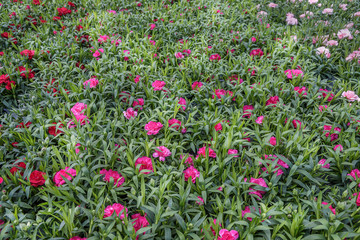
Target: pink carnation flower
x=293, y=73
x=174, y=123
x=196, y=85
x=77, y=238
x=139, y=222
x=225, y=234
x=322, y=163
x=117, y=208
x=145, y=164
x=179, y=55
x=118, y=178
x=202, y=152
x=328, y=11
x=92, y=82
x=130, y=113
x=67, y=173
x=233, y=152
x=340, y=147
x=259, y=120
x=261, y=182
x=351, y=96
x=323, y=50
x=182, y=102
x=158, y=85
x=162, y=152
x=153, y=128
x=215, y=57
x=191, y=172
x=272, y=141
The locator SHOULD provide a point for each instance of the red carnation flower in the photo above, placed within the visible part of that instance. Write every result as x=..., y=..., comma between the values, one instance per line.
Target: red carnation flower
x=37, y=178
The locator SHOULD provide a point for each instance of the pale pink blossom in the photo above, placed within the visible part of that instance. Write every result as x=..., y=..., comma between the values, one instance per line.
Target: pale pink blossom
x=323, y=50
x=332, y=43
x=313, y=1
x=344, y=33
x=328, y=11
x=343, y=6
x=273, y=5
x=350, y=95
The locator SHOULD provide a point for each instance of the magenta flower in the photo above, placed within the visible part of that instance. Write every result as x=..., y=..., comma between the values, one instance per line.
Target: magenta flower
x=247, y=109
x=92, y=83
x=323, y=165
x=174, y=123
x=218, y=127
x=340, y=147
x=139, y=222
x=191, y=172
x=152, y=26
x=215, y=57
x=196, y=85
x=67, y=173
x=116, y=176
x=182, y=102
x=272, y=141
x=117, y=208
x=259, y=120
x=162, y=152
x=145, y=164
x=233, y=152
x=201, y=201
x=293, y=73
x=158, y=85
x=130, y=113
x=272, y=101
x=225, y=234
x=261, y=182
x=77, y=238
x=153, y=128
x=97, y=53
x=179, y=55
x=202, y=152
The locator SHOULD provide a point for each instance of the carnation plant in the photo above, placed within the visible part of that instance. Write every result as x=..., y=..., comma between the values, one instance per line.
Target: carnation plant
x=179, y=119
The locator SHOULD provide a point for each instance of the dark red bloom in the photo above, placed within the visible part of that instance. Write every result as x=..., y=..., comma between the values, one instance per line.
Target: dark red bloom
x=20, y=166
x=52, y=130
x=29, y=53
x=22, y=125
x=37, y=178
x=63, y=11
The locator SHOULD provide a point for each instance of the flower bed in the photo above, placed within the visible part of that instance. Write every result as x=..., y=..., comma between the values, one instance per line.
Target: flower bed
x=179, y=119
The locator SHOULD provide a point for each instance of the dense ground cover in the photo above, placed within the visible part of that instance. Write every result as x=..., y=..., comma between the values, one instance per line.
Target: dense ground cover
x=179, y=119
